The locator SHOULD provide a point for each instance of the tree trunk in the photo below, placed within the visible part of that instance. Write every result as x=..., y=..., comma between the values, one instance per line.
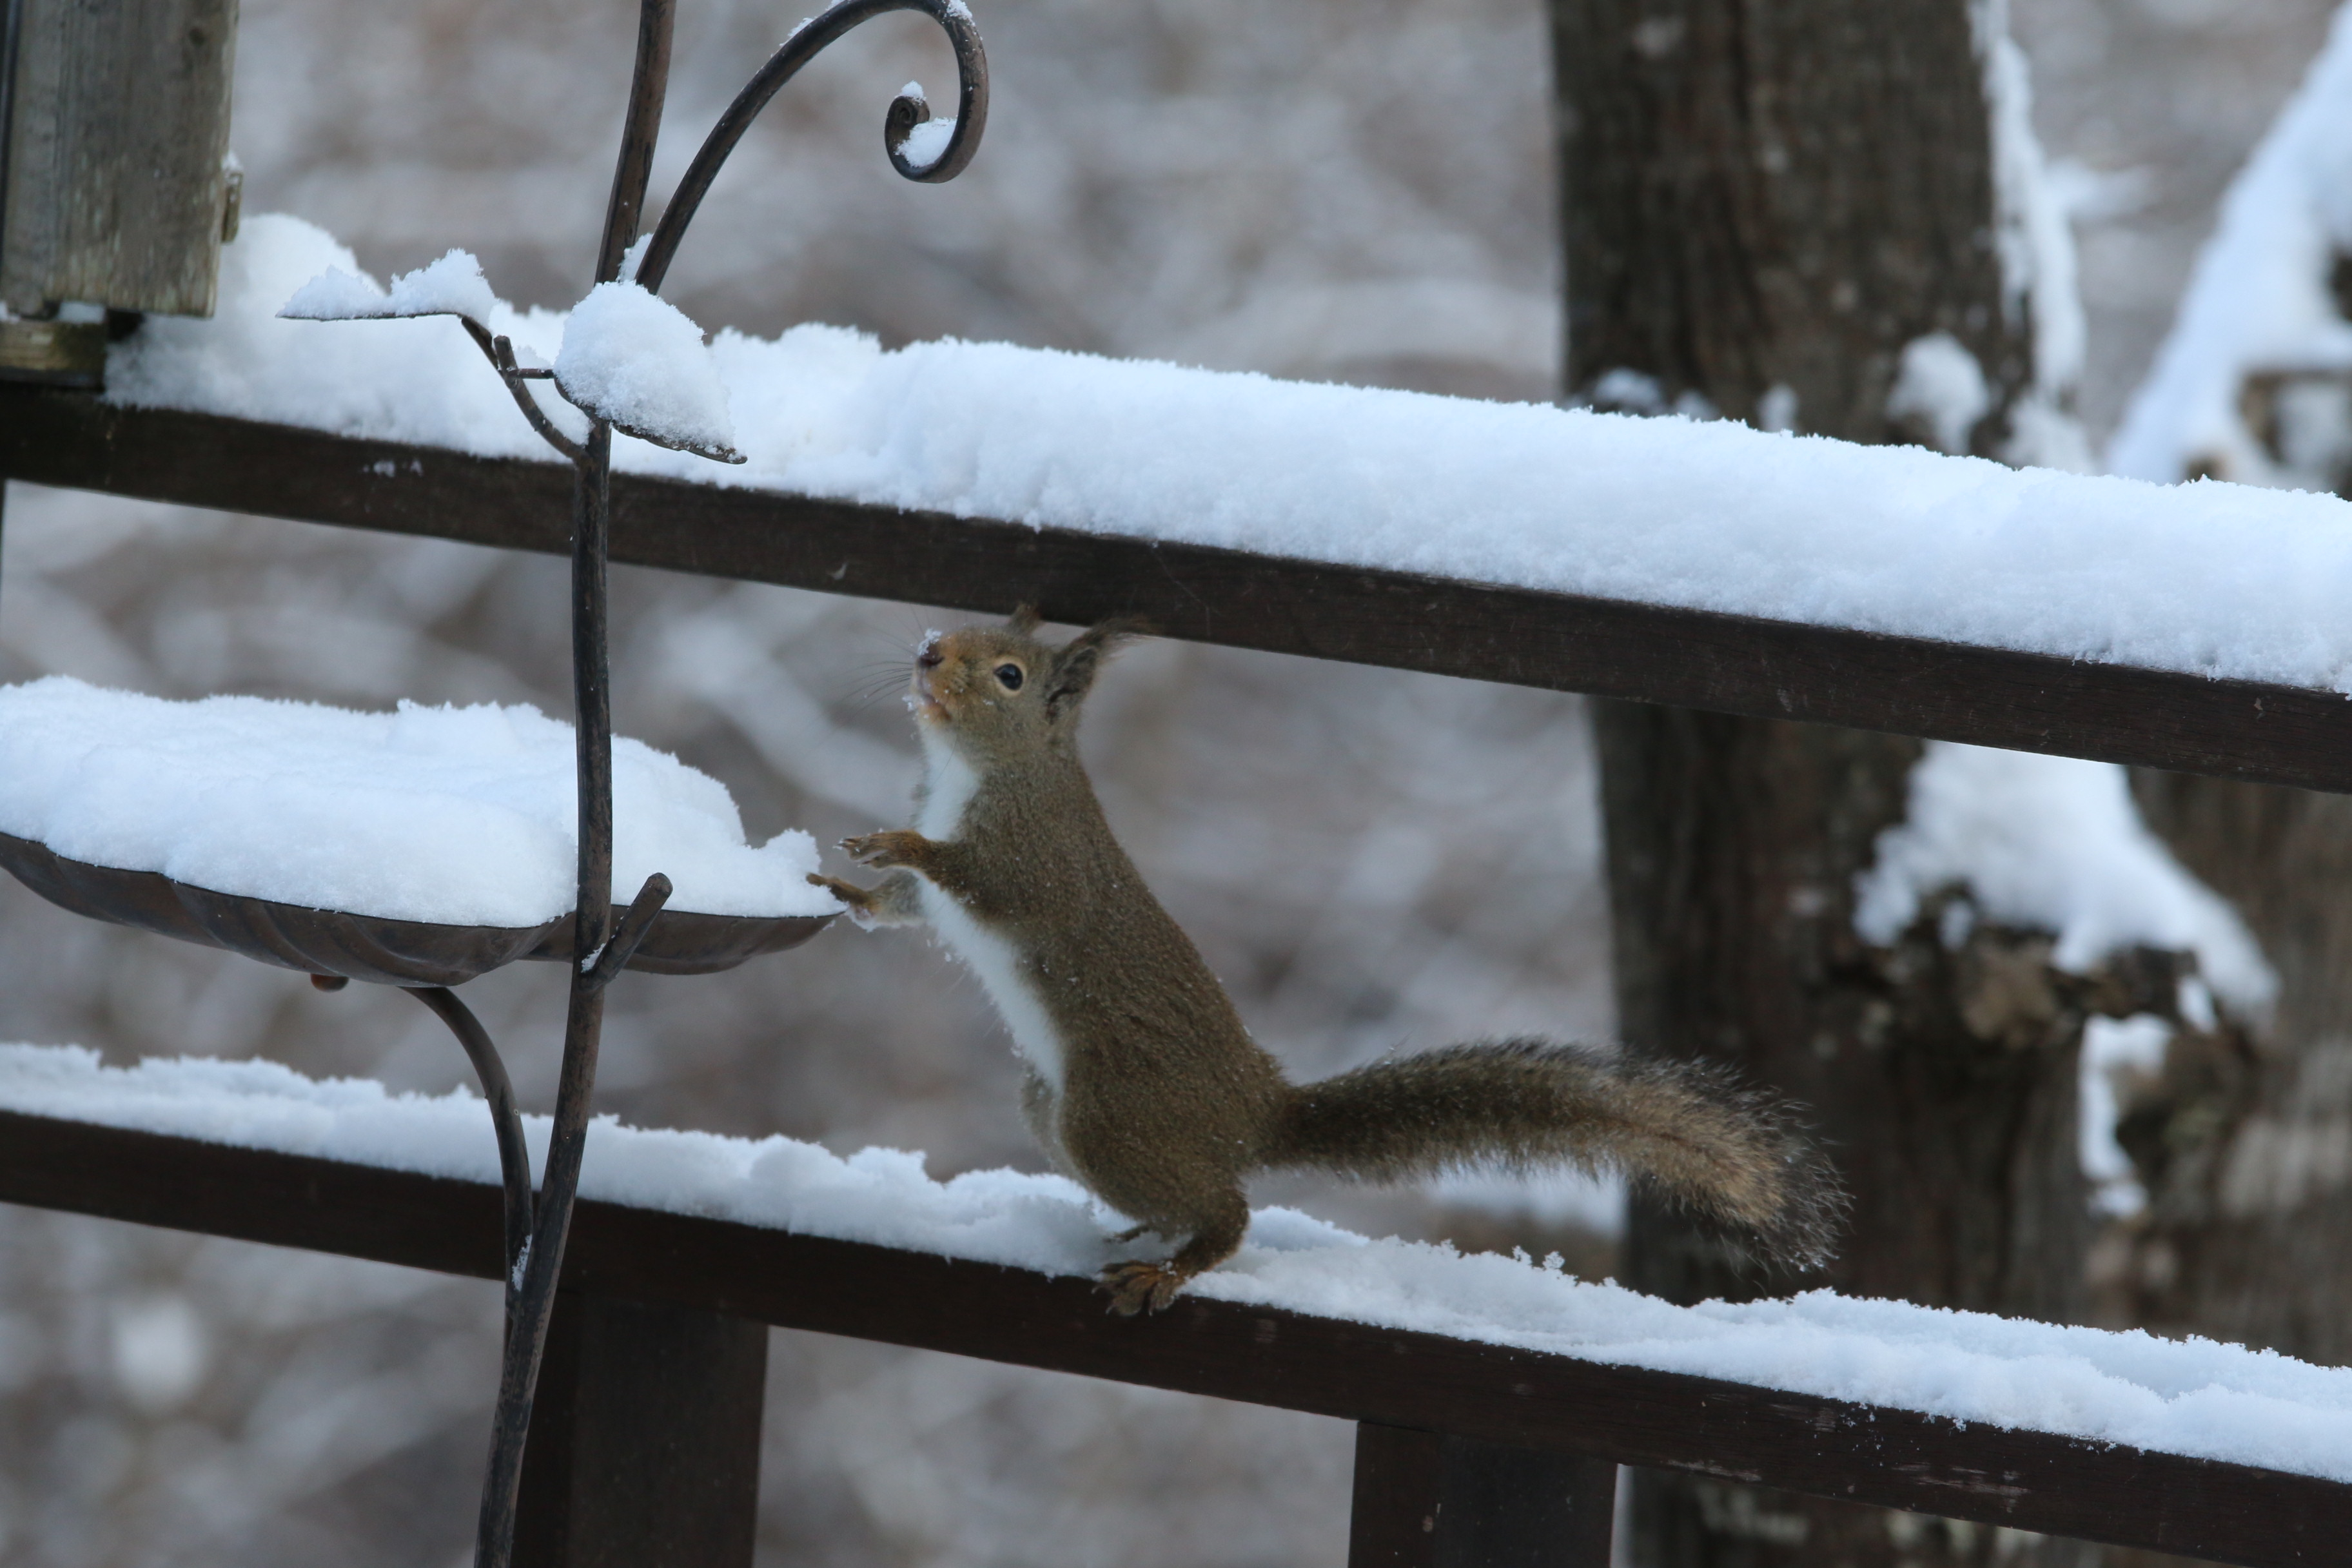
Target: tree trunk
x=1779, y=195
x=2246, y=1147
x=1763, y=206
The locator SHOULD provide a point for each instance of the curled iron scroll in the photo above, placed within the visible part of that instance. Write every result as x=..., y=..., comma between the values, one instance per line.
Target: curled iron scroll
x=906, y=112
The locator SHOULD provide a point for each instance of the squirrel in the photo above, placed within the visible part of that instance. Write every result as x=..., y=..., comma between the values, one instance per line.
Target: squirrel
x=1142, y=1083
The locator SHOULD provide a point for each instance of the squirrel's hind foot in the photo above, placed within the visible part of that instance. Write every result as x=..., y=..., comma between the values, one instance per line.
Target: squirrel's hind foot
x=1141, y=1287
x=1136, y=1287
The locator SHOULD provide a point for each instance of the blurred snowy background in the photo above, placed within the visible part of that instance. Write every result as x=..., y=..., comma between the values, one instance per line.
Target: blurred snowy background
x=1346, y=189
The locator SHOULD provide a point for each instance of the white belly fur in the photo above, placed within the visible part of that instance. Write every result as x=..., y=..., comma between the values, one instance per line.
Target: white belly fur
x=947, y=788
x=947, y=793
x=993, y=959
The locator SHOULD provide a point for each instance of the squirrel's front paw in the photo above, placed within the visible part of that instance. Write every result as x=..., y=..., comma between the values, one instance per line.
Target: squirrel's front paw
x=891, y=847
x=859, y=900
x=1140, y=1287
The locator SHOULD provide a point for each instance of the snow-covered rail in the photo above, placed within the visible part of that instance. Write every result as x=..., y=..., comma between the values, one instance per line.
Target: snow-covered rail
x=702, y=1286
x=1616, y=647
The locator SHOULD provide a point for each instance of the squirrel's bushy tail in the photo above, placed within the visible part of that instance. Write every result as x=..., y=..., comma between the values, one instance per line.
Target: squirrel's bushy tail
x=1731, y=1154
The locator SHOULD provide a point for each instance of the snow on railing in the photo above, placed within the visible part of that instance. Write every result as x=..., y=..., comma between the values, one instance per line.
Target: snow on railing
x=2190, y=1397
x=2212, y=579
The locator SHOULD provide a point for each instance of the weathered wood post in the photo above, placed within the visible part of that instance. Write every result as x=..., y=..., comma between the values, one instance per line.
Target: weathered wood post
x=644, y=1445
x=1424, y=1500
x=116, y=187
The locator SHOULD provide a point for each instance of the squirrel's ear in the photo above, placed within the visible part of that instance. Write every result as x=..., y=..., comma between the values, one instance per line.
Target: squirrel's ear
x=1077, y=661
x=1023, y=622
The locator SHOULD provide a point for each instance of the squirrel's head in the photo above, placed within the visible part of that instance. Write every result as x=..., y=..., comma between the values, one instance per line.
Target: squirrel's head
x=998, y=695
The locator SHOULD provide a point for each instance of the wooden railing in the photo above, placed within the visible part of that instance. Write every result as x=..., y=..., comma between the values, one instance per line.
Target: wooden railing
x=645, y=1448
x=1731, y=663
x=698, y=1291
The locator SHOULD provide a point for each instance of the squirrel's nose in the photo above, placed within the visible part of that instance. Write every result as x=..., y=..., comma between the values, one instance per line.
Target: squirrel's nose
x=929, y=658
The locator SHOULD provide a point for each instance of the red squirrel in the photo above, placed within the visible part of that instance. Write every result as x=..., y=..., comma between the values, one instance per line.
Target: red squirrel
x=1144, y=1086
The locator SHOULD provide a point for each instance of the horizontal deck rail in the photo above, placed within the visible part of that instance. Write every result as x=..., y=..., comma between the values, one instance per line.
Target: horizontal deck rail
x=1383, y=1377
x=1730, y=664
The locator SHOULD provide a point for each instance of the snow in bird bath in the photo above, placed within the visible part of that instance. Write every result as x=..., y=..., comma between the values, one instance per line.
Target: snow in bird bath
x=2053, y=844
x=2193, y=1396
x=459, y=815
x=2214, y=579
x=634, y=358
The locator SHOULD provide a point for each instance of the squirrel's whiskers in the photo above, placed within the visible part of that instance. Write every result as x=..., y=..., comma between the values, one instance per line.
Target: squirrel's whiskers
x=874, y=681
x=1142, y=1083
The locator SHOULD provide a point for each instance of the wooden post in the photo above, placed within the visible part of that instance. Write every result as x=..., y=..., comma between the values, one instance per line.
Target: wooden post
x=645, y=1443
x=116, y=175
x=1426, y=1500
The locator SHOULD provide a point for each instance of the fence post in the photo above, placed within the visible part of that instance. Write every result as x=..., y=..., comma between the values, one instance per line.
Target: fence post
x=1426, y=1500
x=117, y=190
x=645, y=1443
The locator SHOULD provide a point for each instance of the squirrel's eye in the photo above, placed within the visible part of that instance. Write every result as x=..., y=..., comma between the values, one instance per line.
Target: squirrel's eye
x=1008, y=677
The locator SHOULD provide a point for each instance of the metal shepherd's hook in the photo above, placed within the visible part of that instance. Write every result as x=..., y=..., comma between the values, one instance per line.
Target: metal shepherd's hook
x=917, y=152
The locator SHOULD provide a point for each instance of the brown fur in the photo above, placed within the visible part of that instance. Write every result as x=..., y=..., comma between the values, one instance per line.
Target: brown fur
x=1164, y=1105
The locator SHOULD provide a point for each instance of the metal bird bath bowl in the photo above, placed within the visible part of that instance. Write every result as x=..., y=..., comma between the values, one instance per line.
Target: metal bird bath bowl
x=366, y=947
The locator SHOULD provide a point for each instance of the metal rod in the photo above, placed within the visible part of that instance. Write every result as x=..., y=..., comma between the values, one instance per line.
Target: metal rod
x=806, y=43
x=636, y=922
x=533, y=1303
x=527, y=400
x=592, y=689
x=648, y=87
x=514, y=1155
x=499, y=351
